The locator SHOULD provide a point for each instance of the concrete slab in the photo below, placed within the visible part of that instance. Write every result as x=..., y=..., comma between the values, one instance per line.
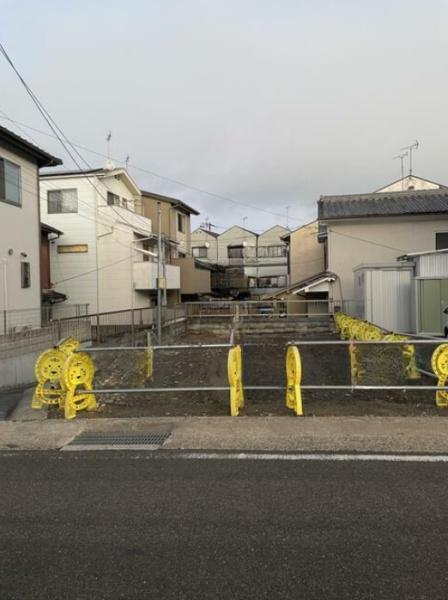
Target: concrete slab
x=281, y=434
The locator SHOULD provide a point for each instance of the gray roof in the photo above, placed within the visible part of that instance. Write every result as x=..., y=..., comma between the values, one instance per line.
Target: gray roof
x=410, y=202
x=170, y=200
x=17, y=143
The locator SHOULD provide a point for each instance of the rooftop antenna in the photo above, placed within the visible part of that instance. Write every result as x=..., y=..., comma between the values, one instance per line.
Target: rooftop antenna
x=127, y=161
x=287, y=216
x=401, y=157
x=412, y=147
x=244, y=222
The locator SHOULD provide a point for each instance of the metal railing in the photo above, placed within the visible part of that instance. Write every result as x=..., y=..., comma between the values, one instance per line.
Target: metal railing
x=294, y=309
x=18, y=321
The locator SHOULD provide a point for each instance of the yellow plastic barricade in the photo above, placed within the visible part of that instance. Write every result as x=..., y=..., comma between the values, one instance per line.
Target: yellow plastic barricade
x=293, y=380
x=77, y=376
x=439, y=364
x=235, y=375
x=48, y=371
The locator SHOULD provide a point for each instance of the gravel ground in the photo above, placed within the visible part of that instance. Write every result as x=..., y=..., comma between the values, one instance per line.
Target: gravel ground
x=263, y=365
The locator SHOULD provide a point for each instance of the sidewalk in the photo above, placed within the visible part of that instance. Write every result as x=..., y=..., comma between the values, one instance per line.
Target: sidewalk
x=283, y=434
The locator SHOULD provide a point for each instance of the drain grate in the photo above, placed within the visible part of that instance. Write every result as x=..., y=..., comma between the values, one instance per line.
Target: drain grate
x=136, y=440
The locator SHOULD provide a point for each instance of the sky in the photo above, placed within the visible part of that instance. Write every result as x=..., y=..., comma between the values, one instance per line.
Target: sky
x=265, y=104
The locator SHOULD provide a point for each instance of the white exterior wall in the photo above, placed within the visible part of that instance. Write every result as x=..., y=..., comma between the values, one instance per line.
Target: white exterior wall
x=74, y=274
x=410, y=183
x=200, y=238
x=20, y=232
x=102, y=277
x=375, y=240
x=432, y=265
x=386, y=295
x=273, y=266
x=236, y=236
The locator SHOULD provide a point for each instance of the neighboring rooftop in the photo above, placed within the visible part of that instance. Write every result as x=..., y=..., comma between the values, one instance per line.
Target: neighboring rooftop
x=411, y=202
x=72, y=172
x=17, y=143
x=170, y=200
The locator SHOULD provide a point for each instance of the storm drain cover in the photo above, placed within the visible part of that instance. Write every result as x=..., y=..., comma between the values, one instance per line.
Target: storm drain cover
x=136, y=440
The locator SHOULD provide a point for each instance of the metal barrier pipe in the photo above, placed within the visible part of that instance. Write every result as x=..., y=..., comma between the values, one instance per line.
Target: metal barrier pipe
x=359, y=342
x=264, y=387
x=141, y=348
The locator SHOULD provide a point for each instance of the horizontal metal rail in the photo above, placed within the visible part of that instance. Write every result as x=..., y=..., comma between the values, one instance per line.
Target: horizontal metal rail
x=413, y=388
x=360, y=342
x=142, y=348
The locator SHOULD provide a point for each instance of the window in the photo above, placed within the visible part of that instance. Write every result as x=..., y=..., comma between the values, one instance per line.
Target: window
x=272, y=282
x=113, y=199
x=62, y=201
x=25, y=274
x=271, y=251
x=235, y=251
x=200, y=252
x=180, y=223
x=442, y=240
x=10, y=183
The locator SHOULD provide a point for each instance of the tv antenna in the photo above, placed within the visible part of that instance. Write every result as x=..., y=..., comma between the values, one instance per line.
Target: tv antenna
x=410, y=148
x=244, y=222
x=401, y=157
x=126, y=162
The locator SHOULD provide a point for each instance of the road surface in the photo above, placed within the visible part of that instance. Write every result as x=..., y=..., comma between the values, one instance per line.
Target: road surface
x=110, y=525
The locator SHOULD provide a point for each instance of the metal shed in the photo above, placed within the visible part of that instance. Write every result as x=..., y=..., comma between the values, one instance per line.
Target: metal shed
x=430, y=290
x=385, y=292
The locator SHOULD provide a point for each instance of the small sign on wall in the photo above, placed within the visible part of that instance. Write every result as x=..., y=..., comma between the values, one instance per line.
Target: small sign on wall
x=74, y=248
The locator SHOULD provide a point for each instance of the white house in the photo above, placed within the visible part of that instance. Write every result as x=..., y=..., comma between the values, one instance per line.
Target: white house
x=106, y=256
x=20, y=291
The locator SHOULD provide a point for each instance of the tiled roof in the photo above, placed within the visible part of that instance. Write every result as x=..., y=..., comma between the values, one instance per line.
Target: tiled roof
x=44, y=159
x=411, y=202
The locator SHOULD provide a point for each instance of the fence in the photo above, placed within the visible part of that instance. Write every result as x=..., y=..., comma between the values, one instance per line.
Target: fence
x=20, y=320
x=255, y=309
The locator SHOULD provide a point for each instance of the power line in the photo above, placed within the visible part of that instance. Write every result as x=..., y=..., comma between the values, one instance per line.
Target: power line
x=168, y=179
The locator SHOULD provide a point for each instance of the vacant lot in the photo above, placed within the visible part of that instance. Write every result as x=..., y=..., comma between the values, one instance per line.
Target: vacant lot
x=263, y=360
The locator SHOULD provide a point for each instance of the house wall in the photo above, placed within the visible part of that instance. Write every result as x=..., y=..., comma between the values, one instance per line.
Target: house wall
x=76, y=272
x=236, y=236
x=103, y=276
x=200, y=238
x=273, y=266
x=409, y=182
x=373, y=240
x=306, y=254
x=168, y=222
x=20, y=232
x=192, y=279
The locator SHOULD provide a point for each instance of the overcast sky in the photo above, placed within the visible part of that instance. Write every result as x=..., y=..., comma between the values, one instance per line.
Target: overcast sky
x=268, y=102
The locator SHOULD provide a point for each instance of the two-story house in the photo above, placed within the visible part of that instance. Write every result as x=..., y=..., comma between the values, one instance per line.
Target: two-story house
x=175, y=221
x=20, y=234
x=247, y=263
x=105, y=257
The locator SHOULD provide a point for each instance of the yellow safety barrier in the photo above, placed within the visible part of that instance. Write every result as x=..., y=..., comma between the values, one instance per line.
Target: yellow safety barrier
x=235, y=375
x=62, y=374
x=48, y=371
x=293, y=380
x=439, y=364
x=77, y=377
x=352, y=328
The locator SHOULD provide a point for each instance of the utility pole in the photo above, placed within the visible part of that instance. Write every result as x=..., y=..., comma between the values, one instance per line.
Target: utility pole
x=287, y=216
x=159, y=272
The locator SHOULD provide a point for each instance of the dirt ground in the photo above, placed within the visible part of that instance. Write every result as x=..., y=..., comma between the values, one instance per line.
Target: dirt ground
x=264, y=364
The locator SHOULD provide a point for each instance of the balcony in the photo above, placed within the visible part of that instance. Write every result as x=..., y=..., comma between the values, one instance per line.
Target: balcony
x=145, y=276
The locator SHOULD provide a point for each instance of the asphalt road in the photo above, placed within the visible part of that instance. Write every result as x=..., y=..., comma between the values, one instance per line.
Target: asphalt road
x=115, y=525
